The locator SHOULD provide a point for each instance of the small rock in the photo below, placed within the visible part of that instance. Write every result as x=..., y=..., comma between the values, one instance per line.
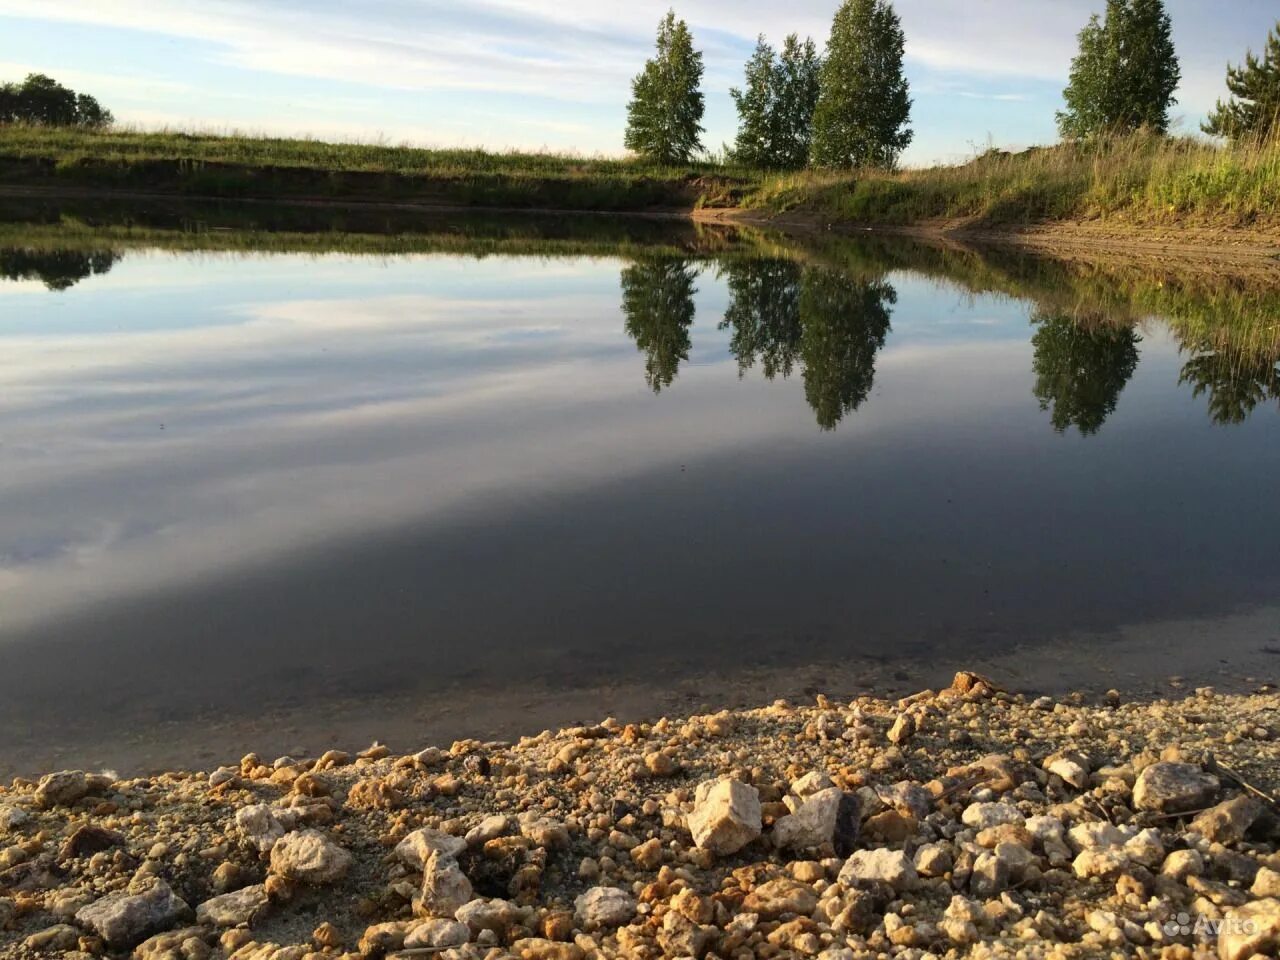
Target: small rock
x=88, y=840
x=309, y=856
x=61, y=937
x=1252, y=930
x=903, y=729
x=781, y=896
x=496, y=915
x=242, y=907
x=1228, y=822
x=61, y=789
x=490, y=828
x=438, y=933
x=1266, y=883
x=445, y=888
x=981, y=816
x=891, y=867
x=1182, y=864
x=12, y=818
x=813, y=824
x=124, y=919
x=933, y=860
x=604, y=908
x=1167, y=787
x=536, y=948
x=659, y=764
x=726, y=816
x=259, y=827
x=415, y=849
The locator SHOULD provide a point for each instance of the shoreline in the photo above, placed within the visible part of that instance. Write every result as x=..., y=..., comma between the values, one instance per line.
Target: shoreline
x=966, y=819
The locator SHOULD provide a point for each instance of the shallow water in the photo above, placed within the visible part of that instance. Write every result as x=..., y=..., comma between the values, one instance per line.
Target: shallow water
x=236, y=484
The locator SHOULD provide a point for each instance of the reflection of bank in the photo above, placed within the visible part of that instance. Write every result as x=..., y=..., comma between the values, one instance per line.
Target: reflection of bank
x=779, y=312
x=56, y=269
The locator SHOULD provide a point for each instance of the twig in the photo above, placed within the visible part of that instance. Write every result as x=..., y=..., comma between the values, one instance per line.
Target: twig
x=967, y=785
x=1240, y=781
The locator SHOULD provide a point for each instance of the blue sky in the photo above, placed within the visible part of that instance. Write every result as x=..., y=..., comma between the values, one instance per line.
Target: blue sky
x=555, y=73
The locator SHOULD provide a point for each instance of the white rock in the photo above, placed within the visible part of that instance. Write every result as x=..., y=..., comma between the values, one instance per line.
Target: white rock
x=259, y=826
x=438, y=933
x=495, y=915
x=11, y=818
x=445, y=888
x=61, y=789
x=1266, y=883
x=233, y=909
x=414, y=849
x=812, y=824
x=1146, y=848
x=490, y=828
x=1252, y=930
x=726, y=816
x=1045, y=827
x=891, y=867
x=1174, y=788
x=604, y=907
x=1095, y=836
x=933, y=860
x=1182, y=864
x=546, y=833
x=124, y=919
x=1105, y=862
x=309, y=856
x=811, y=783
x=980, y=816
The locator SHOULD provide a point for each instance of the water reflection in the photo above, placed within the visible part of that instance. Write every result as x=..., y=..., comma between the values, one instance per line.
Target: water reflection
x=1081, y=367
x=56, y=269
x=1235, y=383
x=657, y=301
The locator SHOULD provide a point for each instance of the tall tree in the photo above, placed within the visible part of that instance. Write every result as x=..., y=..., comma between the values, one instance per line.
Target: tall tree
x=40, y=99
x=1124, y=76
x=756, y=103
x=864, y=104
x=664, y=118
x=797, y=86
x=1254, y=108
x=1080, y=369
x=657, y=300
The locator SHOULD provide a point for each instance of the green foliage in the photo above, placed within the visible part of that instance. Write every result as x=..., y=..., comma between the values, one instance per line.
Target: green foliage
x=1254, y=108
x=1236, y=384
x=1124, y=76
x=864, y=104
x=775, y=107
x=42, y=101
x=1080, y=369
x=764, y=314
x=56, y=269
x=657, y=301
x=664, y=118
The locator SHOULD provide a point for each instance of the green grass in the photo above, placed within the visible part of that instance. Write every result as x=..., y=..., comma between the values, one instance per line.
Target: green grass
x=237, y=166
x=1140, y=180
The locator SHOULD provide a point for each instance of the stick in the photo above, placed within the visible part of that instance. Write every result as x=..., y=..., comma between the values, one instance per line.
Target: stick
x=1240, y=781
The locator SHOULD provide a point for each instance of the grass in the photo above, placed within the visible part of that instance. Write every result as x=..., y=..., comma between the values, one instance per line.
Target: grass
x=1140, y=180
x=237, y=166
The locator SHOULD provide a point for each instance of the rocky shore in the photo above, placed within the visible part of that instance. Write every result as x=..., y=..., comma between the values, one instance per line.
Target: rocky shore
x=963, y=822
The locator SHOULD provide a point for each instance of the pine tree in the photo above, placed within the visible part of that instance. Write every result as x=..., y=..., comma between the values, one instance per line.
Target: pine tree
x=863, y=107
x=1124, y=76
x=664, y=118
x=756, y=103
x=1254, y=107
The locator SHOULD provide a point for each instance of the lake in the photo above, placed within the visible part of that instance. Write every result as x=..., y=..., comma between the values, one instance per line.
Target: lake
x=287, y=498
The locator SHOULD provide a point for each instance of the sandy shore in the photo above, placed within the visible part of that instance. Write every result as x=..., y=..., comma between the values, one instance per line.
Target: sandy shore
x=968, y=821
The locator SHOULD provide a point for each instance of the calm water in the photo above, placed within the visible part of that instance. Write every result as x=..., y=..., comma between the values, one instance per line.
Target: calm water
x=234, y=482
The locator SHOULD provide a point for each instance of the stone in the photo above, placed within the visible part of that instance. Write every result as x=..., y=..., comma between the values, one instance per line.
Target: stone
x=933, y=860
x=61, y=937
x=1017, y=858
x=1072, y=768
x=496, y=915
x=490, y=828
x=726, y=816
x=61, y=789
x=658, y=764
x=87, y=840
x=1182, y=864
x=909, y=799
x=259, y=827
x=1145, y=847
x=903, y=729
x=186, y=944
x=1103, y=862
x=550, y=834
x=892, y=826
x=124, y=919
x=604, y=908
x=240, y=908
x=1252, y=930
x=383, y=938
x=981, y=816
x=445, y=888
x=1168, y=787
x=811, y=783
x=1228, y=822
x=12, y=818
x=1096, y=835
x=1266, y=883
x=648, y=855
x=812, y=824
x=536, y=948
x=681, y=937
x=309, y=856
x=417, y=847
x=890, y=867
x=438, y=933
x=780, y=896
x=990, y=876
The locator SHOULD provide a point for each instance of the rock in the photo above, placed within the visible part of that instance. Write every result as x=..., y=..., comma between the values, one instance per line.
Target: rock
x=1072, y=768
x=658, y=764
x=1145, y=847
x=259, y=827
x=61, y=937
x=781, y=896
x=1266, y=883
x=445, y=888
x=907, y=798
x=490, y=828
x=309, y=856
x=61, y=789
x=604, y=908
x=417, y=847
x=1182, y=864
x=1104, y=862
x=438, y=933
x=648, y=855
x=124, y=919
x=550, y=834
x=726, y=816
x=88, y=840
x=681, y=937
x=903, y=729
x=1168, y=787
x=1096, y=835
x=990, y=876
x=981, y=816
x=811, y=783
x=813, y=824
x=890, y=867
x=1017, y=858
x=1228, y=822
x=536, y=948
x=382, y=938
x=242, y=907
x=933, y=860
x=1252, y=930
x=12, y=818
x=187, y=944
x=496, y=915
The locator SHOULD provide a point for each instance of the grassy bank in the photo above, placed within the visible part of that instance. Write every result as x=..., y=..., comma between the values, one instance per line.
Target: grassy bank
x=1141, y=180
x=233, y=166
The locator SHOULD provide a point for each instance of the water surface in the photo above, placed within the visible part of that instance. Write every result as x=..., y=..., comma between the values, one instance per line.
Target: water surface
x=238, y=483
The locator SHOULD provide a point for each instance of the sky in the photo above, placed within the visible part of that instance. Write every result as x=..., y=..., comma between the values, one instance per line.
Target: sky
x=555, y=74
